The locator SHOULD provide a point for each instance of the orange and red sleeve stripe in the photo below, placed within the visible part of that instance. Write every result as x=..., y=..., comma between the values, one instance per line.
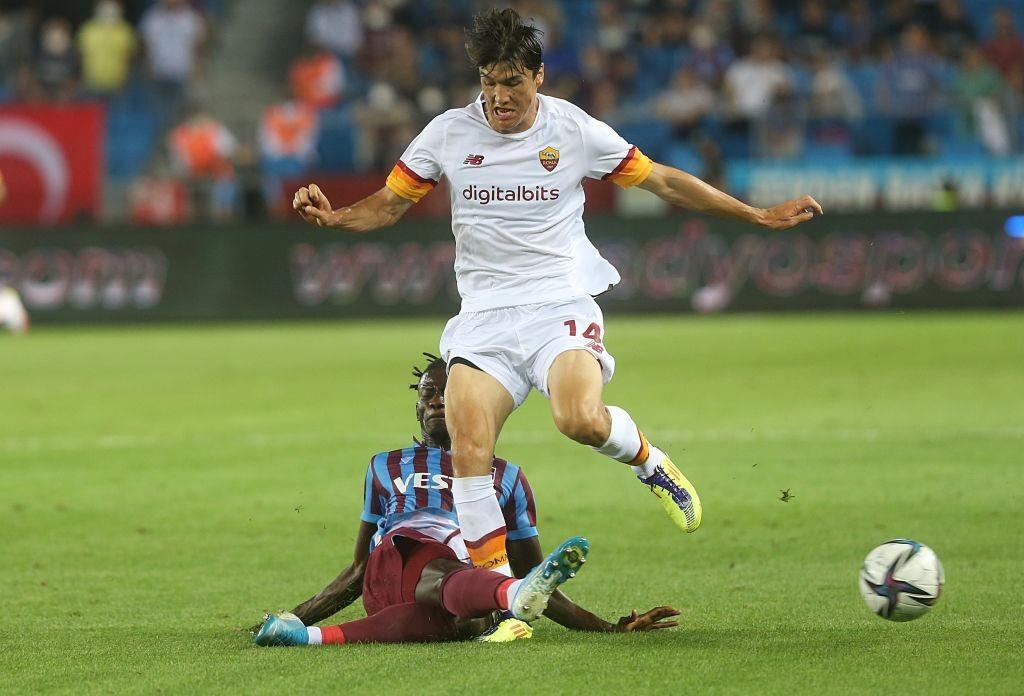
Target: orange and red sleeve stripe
x=408, y=184
x=632, y=170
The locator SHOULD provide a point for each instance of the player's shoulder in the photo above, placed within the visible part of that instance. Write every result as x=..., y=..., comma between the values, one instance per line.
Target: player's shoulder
x=506, y=469
x=564, y=110
x=399, y=454
x=462, y=115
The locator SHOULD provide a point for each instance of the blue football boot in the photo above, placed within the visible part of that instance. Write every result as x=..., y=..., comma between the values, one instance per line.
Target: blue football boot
x=281, y=628
x=531, y=597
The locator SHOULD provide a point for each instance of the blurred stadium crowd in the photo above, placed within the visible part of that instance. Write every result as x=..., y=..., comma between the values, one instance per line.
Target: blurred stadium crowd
x=696, y=83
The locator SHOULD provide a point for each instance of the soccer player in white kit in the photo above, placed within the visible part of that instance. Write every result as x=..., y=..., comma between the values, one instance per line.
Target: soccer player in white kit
x=527, y=274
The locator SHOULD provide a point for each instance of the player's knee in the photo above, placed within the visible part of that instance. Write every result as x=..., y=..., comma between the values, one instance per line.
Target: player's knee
x=584, y=423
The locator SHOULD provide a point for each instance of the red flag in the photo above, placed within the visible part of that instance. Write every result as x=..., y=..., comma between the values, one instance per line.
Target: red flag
x=52, y=163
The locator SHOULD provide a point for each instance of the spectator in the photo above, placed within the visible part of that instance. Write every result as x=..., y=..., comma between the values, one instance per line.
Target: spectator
x=56, y=63
x=978, y=92
x=381, y=119
x=317, y=78
x=612, y=30
x=546, y=16
x=717, y=15
x=953, y=29
x=754, y=83
x=899, y=15
x=712, y=162
x=605, y=102
x=779, y=131
x=174, y=35
x=15, y=45
x=106, y=43
x=202, y=151
x=909, y=90
x=756, y=17
x=287, y=138
x=399, y=66
x=857, y=28
x=833, y=95
x=1005, y=50
x=814, y=35
x=685, y=103
x=336, y=26
x=708, y=56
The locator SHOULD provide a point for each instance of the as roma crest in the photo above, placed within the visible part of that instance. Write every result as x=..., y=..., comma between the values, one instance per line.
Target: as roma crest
x=548, y=158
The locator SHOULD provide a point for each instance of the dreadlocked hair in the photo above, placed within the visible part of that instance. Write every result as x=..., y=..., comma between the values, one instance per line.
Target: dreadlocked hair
x=500, y=36
x=434, y=363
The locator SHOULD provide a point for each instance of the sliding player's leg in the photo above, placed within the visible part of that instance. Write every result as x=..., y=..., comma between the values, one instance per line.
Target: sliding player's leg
x=476, y=407
x=575, y=384
x=421, y=602
x=400, y=623
x=472, y=592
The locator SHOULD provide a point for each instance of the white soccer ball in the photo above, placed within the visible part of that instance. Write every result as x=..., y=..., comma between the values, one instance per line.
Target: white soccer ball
x=901, y=580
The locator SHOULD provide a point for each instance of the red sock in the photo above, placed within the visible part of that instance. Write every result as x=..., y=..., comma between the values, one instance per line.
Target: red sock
x=400, y=623
x=502, y=594
x=473, y=592
x=332, y=635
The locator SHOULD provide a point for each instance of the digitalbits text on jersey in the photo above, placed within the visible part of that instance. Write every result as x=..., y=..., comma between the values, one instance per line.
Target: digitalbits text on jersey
x=518, y=194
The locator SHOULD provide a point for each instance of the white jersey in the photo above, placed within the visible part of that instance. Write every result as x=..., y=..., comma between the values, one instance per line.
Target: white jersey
x=517, y=200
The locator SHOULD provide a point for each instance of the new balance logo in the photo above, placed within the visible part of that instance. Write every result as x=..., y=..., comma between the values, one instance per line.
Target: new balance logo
x=475, y=160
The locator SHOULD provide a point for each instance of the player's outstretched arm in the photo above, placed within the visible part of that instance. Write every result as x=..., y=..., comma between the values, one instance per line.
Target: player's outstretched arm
x=687, y=191
x=524, y=554
x=383, y=208
x=344, y=589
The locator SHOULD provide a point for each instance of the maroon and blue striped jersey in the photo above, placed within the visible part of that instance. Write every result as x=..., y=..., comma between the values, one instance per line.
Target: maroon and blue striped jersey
x=411, y=488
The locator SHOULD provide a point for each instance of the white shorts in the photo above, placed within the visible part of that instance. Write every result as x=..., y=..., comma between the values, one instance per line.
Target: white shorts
x=517, y=345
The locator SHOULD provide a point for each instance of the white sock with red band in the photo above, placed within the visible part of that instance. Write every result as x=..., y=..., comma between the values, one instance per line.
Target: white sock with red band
x=628, y=445
x=481, y=522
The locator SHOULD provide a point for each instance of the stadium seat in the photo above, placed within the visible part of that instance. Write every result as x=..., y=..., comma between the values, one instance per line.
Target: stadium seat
x=827, y=153
x=864, y=76
x=336, y=148
x=683, y=156
x=132, y=130
x=874, y=136
x=653, y=137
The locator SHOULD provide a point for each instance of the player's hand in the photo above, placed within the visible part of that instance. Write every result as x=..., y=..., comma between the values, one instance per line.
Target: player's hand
x=313, y=206
x=659, y=617
x=790, y=213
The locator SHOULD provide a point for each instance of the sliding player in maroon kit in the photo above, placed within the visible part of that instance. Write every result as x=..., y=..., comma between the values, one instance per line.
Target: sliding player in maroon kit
x=412, y=567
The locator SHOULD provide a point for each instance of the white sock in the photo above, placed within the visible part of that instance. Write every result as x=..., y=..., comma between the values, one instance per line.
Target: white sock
x=627, y=444
x=654, y=457
x=481, y=522
x=315, y=636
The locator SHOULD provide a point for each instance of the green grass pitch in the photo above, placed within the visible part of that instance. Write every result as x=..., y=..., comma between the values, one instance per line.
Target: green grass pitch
x=161, y=487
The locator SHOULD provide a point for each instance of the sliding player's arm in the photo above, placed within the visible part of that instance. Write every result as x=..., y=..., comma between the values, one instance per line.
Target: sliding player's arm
x=344, y=589
x=687, y=191
x=525, y=554
x=382, y=209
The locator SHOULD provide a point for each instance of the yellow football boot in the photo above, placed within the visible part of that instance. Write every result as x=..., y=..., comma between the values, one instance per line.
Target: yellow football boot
x=677, y=495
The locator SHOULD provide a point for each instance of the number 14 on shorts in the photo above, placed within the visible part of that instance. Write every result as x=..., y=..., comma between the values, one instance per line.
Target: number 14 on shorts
x=593, y=332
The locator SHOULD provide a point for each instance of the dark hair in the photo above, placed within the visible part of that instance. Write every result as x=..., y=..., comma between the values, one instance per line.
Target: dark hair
x=499, y=36
x=435, y=362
